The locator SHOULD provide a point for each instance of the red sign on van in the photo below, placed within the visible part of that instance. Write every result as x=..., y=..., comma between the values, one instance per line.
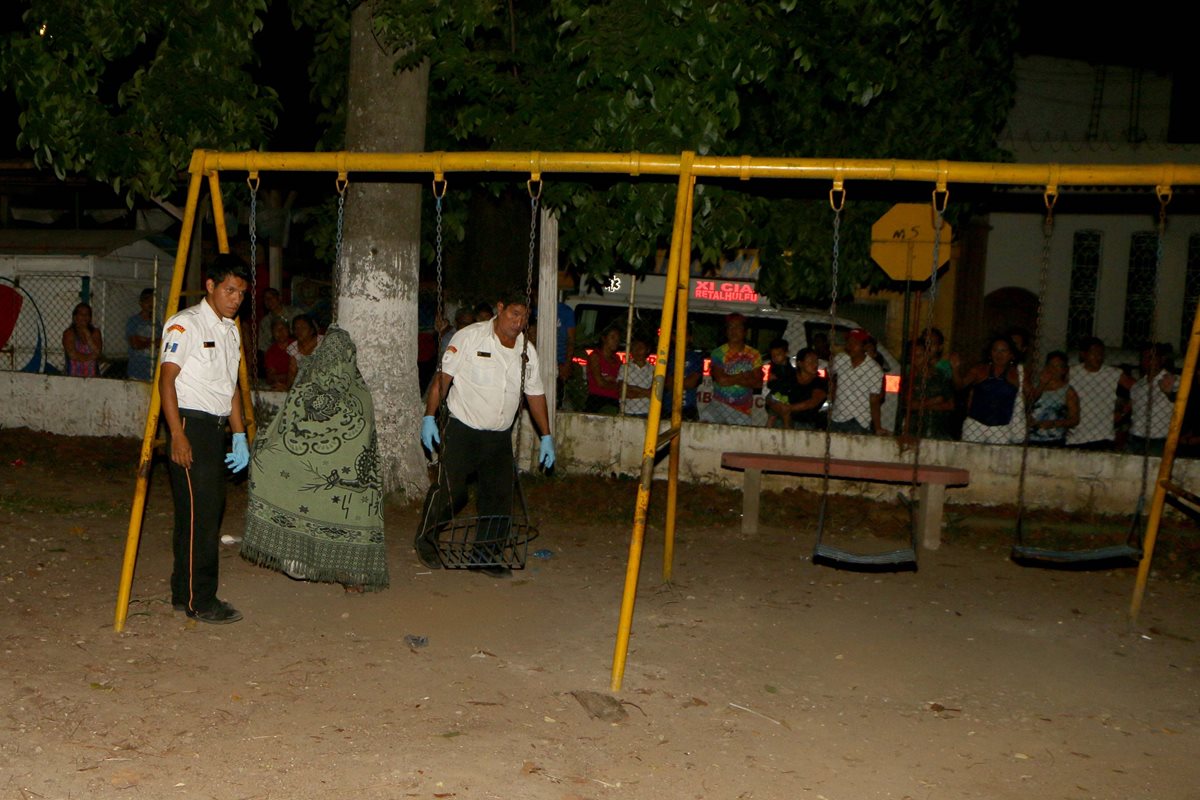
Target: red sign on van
x=727, y=292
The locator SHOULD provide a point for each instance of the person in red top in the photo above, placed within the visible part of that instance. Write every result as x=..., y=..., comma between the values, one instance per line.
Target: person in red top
x=604, y=375
x=276, y=359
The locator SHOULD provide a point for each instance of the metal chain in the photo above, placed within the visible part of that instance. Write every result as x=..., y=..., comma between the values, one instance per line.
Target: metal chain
x=939, y=219
x=1051, y=197
x=342, y=183
x=833, y=297
x=442, y=415
x=252, y=182
x=1044, y=278
x=534, y=200
x=440, y=300
x=1164, y=197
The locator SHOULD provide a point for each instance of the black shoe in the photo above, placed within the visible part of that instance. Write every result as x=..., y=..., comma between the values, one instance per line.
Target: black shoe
x=427, y=552
x=494, y=571
x=220, y=614
x=179, y=605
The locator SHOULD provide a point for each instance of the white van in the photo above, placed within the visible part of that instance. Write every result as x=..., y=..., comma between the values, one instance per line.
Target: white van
x=710, y=299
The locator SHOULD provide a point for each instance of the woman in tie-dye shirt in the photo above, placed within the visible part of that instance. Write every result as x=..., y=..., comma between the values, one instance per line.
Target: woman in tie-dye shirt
x=736, y=374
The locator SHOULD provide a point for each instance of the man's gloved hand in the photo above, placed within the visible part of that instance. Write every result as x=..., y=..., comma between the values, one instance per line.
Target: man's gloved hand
x=240, y=457
x=546, y=457
x=429, y=433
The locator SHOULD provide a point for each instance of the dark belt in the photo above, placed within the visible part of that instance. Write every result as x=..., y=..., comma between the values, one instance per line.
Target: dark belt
x=203, y=415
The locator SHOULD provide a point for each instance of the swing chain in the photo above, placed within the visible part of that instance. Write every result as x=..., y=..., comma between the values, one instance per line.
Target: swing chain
x=437, y=206
x=833, y=295
x=939, y=220
x=534, y=200
x=1164, y=197
x=342, y=183
x=252, y=181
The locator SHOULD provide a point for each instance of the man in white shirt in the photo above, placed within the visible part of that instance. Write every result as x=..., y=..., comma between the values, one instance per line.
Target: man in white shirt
x=1096, y=385
x=638, y=375
x=202, y=348
x=1152, y=401
x=481, y=380
x=856, y=388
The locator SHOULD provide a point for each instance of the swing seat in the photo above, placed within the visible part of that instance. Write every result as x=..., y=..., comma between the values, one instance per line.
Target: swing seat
x=1094, y=557
x=492, y=541
x=840, y=557
x=888, y=560
x=1098, y=555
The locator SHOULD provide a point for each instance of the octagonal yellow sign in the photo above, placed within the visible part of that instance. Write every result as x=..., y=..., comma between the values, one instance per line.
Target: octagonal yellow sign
x=902, y=242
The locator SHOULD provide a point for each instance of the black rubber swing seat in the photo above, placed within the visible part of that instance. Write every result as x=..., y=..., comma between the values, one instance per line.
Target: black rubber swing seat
x=901, y=556
x=1118, y=552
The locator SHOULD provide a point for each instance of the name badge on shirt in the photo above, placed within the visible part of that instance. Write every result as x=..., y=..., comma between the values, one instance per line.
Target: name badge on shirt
x=482, y=354
x=210, y=344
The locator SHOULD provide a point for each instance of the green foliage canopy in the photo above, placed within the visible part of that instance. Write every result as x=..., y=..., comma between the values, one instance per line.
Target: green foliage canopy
x=921, y=79
x=124, y=90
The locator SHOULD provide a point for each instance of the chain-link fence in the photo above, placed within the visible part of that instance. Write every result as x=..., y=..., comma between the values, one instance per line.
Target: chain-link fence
x=36, y=308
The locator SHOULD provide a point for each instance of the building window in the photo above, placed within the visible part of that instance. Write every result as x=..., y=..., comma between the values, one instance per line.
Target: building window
x=1085, y=279
x=1191, y=290
x=1140, y=285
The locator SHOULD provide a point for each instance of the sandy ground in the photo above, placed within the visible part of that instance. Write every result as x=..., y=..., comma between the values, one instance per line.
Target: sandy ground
x=754, y=674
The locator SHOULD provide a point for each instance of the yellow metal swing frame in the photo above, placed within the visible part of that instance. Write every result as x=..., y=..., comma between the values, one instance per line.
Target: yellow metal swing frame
x=207, y=165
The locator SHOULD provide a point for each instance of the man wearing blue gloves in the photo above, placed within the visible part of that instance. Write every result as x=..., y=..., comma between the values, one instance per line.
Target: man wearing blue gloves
x=198, y=385
x=481, y=381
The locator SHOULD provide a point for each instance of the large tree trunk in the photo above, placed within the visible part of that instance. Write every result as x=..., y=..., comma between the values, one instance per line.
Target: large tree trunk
x=377, y=289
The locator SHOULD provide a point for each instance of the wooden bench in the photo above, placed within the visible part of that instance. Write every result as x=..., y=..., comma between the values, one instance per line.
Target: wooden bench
x=931, y=480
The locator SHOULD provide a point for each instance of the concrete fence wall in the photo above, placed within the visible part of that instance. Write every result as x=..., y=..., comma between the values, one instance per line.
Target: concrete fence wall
x=1062, y=479
x=1055, y=478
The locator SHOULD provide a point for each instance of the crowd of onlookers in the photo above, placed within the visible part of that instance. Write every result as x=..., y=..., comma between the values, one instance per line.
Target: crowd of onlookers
x=1080, y=403
x=286, y=335
x=1002, y=399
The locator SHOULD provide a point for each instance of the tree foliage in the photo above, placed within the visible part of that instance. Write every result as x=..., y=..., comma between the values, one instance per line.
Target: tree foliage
x=921, y=79
x=124, y=90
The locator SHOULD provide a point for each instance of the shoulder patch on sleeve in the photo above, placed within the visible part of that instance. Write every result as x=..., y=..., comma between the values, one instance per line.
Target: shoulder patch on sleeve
x=177, y=327
x=451, y=349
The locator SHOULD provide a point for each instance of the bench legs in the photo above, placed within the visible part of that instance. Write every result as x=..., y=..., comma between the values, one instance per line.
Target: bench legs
x=930, y=499
x=751, y=487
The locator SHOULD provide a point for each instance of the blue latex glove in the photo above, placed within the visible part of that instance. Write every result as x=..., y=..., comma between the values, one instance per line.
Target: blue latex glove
x=240, y=457
x=429, y=433
x=546, y=457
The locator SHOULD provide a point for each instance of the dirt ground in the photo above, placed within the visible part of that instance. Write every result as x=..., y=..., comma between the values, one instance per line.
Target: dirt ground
x=754, y=674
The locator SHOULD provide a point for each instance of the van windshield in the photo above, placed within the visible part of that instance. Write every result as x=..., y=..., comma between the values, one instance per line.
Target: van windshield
x=708, y=330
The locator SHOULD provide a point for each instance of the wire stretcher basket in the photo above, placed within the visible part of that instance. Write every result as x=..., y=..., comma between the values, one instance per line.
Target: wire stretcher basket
x=494, y=541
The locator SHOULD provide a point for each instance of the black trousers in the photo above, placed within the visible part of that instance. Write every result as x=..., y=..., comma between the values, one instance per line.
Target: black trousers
x=468, y=452
x=199, y=494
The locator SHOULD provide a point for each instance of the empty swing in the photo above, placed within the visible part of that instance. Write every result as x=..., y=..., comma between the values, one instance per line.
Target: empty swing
x=485, y=541
x=1123, y=554
x=900, y=558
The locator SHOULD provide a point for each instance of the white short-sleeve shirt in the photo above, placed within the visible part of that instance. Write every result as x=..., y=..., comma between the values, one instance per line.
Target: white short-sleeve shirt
x=855, y=385
x=207, y=349
x=641, y=376
x=1147, y=396
x=1097, y=395
x=486, y=390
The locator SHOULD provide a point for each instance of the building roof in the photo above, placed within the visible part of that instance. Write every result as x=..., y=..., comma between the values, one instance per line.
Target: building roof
x=101, y=242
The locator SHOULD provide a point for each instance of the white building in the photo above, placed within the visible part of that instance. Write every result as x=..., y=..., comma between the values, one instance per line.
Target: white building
x=1102, y=278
